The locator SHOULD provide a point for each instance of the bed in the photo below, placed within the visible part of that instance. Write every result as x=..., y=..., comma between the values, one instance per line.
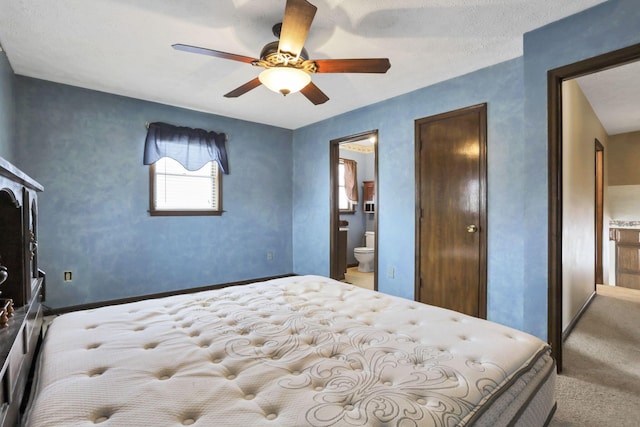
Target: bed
x=295, y=351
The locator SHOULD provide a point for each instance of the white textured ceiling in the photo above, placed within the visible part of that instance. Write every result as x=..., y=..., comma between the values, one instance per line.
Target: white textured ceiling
x=614, y=95
x=124, y=47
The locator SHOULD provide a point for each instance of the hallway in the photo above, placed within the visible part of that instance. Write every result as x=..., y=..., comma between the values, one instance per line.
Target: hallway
x=600, y=383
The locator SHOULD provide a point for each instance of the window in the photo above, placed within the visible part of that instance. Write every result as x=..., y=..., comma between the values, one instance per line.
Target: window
x=175, y=190
x=172, y=153
x=344, y=204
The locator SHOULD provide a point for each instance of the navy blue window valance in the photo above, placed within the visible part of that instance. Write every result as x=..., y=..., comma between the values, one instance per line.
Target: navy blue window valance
x=191, y=147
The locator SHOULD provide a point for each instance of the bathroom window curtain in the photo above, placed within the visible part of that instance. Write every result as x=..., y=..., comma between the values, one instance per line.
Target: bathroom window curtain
x=192, y=148
x=351, y=179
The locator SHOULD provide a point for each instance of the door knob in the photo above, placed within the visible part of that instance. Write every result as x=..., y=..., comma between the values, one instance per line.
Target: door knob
x=472, y=228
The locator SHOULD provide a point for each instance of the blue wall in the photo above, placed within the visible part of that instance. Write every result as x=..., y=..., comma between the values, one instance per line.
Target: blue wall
x=85, y=148
x=609, y=26
x=359, y=221
x=501, y=87
x=7, y=109
x=516, y=93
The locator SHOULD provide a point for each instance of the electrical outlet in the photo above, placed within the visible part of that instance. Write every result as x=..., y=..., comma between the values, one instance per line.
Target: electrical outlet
x=67, y=276
x=270, y=255
x=391, y=272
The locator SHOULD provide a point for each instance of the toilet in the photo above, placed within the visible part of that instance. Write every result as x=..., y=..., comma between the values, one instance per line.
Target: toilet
x=364, y=255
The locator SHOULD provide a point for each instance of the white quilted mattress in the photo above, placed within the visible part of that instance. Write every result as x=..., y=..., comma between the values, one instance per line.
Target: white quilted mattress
x=298, y=351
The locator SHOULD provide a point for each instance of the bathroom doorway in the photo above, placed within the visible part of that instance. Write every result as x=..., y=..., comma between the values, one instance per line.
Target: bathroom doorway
x=354, y=209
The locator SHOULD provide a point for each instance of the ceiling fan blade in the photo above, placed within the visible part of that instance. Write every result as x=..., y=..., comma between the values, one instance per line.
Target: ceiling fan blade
x=252, y=84
x=314, y=94
x=215, y=53
x=298, y=16
x=367, y=65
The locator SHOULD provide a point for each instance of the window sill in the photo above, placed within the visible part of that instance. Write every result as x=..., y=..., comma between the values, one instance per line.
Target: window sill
x=185, y=213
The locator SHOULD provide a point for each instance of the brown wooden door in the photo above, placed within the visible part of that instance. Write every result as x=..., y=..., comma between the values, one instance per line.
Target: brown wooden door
x=451, y=210
x=599, y=202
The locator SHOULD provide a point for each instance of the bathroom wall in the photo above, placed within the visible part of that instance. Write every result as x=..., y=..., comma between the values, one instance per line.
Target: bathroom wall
x=359, y=222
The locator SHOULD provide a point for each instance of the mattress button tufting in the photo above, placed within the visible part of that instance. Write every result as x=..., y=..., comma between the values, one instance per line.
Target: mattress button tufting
x=271, y=417
x=96, y=372
x=102, y=416
x=164, y=376
x=188, y=421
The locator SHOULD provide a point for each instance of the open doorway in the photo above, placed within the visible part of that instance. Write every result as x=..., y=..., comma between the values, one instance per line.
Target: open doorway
x=556, y=78
x=354, y=209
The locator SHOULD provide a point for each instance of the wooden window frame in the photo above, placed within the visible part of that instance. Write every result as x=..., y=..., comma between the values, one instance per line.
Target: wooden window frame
x=182, y=212
x=352, y=210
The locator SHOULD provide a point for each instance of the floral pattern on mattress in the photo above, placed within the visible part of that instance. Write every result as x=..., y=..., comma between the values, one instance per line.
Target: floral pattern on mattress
x=295, y=351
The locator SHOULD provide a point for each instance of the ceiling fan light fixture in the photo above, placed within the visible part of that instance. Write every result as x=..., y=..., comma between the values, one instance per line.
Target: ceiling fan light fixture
x=284, y=80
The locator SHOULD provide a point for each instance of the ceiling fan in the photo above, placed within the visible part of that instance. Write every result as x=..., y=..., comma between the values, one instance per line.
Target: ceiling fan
x=287, y=67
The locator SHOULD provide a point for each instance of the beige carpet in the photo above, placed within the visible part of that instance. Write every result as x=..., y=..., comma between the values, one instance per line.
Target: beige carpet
x=600, y=382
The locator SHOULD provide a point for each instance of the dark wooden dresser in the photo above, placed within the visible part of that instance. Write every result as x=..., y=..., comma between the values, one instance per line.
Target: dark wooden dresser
x=23, y=283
